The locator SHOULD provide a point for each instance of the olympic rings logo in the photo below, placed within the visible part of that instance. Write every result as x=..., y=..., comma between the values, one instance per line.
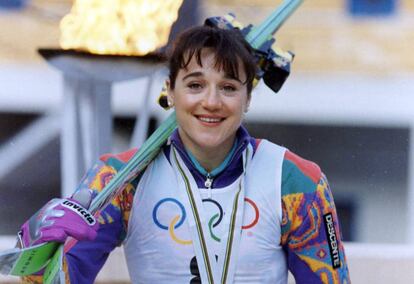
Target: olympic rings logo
x=256, y=214
x=214, y=221
x=175, y=223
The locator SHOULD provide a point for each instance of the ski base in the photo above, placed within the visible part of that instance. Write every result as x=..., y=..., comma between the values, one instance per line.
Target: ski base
x=26, y=261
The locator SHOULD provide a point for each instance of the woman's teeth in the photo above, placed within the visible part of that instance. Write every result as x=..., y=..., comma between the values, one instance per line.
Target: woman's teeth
x=209, y=119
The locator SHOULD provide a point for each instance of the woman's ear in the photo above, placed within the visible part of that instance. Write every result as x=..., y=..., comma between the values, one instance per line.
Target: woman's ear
x=168, y=85
x=170, y=93
x=246, y=107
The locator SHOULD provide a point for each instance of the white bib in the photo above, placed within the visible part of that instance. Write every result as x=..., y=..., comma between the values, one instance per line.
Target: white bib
x=163, y=240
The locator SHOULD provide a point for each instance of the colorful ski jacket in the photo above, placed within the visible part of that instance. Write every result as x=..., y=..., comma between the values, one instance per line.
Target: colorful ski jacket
x=308, y=234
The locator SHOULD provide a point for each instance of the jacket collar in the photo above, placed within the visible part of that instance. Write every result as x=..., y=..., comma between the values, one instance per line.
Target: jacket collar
x=234, y=167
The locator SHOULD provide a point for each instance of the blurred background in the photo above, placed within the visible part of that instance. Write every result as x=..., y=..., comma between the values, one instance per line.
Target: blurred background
x=348, y=105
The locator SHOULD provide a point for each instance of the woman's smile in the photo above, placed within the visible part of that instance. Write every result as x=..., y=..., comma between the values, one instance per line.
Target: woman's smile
x=209, y=106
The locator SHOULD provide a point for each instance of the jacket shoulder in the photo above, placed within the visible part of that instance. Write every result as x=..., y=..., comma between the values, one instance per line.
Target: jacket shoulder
x=299, y=175
x=117, y=161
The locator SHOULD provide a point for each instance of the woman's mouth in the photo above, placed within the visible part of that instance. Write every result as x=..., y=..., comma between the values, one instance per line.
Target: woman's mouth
x=208, y=119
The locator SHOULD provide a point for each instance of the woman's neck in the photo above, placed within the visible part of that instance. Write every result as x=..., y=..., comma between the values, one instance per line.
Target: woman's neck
x=209, y=158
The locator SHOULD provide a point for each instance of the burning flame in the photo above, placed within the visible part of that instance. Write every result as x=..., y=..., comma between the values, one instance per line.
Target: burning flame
x=118, y=27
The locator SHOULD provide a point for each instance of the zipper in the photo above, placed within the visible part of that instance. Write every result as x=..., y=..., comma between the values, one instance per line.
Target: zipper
x=208, y=183
x=209, y=179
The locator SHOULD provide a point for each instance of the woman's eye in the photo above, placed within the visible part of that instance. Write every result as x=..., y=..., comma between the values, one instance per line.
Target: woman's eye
x=194, y=86
x=229, y=88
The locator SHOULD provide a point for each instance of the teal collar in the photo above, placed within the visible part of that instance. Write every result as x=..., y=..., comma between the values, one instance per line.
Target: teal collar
x=217, y=170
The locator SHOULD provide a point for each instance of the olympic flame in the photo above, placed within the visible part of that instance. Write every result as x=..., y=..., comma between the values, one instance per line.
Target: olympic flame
x=118, y=27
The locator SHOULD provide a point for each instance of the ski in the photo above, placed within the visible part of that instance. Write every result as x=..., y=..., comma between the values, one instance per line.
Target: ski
x=26, y=261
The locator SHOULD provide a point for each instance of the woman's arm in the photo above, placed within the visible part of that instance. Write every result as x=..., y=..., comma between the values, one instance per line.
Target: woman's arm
x=311, y=234
x=84, y=259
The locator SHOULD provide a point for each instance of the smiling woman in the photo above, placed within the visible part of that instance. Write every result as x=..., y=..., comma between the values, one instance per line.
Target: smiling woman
x=216, y=205
x=210, y=92
x=209, y=108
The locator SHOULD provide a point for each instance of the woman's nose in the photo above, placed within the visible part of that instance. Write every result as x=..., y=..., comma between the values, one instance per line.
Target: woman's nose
x=212, y=99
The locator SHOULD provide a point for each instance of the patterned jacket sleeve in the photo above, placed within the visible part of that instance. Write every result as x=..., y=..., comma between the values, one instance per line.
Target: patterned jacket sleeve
x=84, y=259
x=311, y=234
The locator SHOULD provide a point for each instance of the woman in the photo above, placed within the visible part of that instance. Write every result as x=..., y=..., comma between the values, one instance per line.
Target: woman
x=216, y=205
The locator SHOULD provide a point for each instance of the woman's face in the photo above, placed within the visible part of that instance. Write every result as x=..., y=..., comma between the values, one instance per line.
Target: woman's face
x=209, y=105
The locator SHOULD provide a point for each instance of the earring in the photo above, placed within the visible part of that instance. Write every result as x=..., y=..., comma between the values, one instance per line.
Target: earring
x=170, y=103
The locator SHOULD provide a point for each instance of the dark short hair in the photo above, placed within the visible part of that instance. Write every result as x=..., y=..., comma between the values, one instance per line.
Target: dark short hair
x=228, y=46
